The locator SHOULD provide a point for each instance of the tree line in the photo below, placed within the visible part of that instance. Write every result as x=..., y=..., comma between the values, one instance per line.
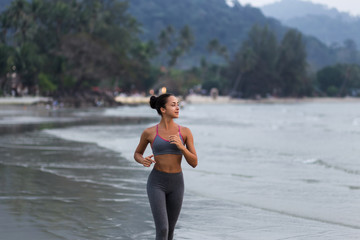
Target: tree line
x=264, y=66
x=59, y=48
x=211, y=19
x=66, y=46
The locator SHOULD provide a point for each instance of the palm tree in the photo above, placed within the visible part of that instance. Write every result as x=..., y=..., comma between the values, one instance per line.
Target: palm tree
x=5, y=25
x=19, y=15
x=165, y=41
x=214, y=46
x=224, y=53
x=244, y=62
x=291, y=63
x=165, y=37
x=4, y=65
x=186, y=40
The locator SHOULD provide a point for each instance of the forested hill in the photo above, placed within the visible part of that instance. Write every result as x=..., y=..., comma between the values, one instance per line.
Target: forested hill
x=208, y=19
x=327, y=24
x=214, y=19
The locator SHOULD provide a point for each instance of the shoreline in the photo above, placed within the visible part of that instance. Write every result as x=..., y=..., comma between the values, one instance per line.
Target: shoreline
x=227, y=100
x=199, y=99
x=191, y=99
x=23, y=118
x=24, y=100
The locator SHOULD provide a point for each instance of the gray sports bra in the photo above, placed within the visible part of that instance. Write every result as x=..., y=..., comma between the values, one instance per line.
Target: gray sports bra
x=162, y=146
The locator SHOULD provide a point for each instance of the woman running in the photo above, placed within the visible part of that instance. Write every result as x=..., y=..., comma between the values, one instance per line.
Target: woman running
x=165, y=186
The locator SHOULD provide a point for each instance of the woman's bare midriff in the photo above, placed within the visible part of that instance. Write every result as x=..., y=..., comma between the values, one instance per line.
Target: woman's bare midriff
x=169, y=163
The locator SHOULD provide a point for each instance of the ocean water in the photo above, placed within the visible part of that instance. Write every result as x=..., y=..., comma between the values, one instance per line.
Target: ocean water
x=266, y=171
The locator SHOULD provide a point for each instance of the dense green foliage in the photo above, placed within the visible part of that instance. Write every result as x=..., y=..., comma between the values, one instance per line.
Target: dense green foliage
x=208, y=19
x=255, y=63
x=172, y=45
x=213, y=19
x=69, y=46
x=339, y=80
x=65, y=47
x=264, y=67
x=291, y=65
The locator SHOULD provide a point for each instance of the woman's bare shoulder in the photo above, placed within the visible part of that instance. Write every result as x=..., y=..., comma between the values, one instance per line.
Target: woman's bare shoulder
x=185, y=130
x=150, y=130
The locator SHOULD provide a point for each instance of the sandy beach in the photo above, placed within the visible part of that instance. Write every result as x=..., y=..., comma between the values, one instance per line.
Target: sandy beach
x=280, y=171
x=35, y=201
x=199, y=99
x=20, y=226
x=191, y=99
x=23, y=100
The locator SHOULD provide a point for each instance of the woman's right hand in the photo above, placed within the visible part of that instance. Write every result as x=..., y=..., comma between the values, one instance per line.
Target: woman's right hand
x=148, y=161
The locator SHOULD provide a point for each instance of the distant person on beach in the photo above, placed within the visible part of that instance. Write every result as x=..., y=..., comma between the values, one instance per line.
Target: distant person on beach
x=169, y=142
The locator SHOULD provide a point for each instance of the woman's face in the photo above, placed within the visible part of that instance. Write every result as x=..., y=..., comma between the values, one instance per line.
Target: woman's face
x=172, y=108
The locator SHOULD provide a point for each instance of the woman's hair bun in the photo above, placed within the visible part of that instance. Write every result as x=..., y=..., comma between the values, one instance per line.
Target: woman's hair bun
x=159, y=102
x=153, y=101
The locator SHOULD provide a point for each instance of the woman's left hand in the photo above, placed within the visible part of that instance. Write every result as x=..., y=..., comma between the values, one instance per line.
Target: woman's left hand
x=175, y=139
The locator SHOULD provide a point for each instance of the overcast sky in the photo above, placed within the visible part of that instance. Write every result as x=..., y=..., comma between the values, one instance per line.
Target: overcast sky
x=351, y=6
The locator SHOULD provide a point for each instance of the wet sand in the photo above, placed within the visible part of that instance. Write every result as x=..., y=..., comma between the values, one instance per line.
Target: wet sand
x=16, y=226
x=38, y=203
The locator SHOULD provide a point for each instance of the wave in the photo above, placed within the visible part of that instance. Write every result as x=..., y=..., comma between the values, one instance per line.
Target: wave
x=328, y=165
x=302, y=216
x=113, y=183
x=121, y=139
x=47, y=148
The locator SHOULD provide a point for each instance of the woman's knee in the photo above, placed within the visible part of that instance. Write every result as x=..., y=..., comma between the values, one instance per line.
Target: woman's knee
x=163, y=233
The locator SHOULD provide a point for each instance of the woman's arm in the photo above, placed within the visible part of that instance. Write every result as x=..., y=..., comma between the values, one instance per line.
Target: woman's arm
x=138, y=155
x=188, y=151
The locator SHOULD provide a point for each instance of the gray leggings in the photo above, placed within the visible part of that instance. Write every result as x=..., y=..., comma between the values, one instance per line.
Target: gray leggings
x=165, y=192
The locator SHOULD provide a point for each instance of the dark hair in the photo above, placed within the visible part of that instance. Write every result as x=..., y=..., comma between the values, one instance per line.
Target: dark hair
x=159, y=102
